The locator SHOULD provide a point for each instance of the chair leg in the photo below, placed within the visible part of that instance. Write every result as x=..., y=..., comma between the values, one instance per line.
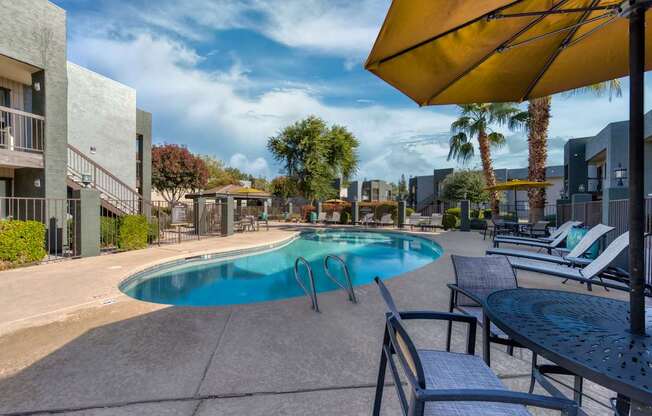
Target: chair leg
x=380, y=384
x=534, y=367
x=510, y=350
x=577, y=390
x=451, y=305
x=486, y=346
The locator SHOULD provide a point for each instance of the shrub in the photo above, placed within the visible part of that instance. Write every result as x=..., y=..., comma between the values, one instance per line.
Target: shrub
x=109, y=230
x=22, y=242
x=552, y=219
x=345, y=217
x=487, y=214
x=133, y=232
x=409, y=211
x=456, y=212
x=477, y=224
x=381, y=208
x=449, y=221
x=152, y=232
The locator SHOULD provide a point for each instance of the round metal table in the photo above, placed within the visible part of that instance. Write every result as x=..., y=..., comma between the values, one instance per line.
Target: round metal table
x=585, y=334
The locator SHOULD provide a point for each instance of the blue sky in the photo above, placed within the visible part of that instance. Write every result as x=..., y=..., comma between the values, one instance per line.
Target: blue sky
x=223, y=76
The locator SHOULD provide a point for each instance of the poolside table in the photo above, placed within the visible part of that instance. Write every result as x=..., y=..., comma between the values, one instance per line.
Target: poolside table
x=587, y=335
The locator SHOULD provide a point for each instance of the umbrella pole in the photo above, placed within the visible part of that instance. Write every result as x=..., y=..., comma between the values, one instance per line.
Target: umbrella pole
x=636, y=166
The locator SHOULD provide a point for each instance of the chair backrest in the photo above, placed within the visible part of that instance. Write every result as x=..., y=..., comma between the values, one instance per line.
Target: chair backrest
x=609, y=254
x=401, y=341
x=436, y=219
x=590, y=238
x=322, y=216
x=482, y=276
x=368, y=217
x=565, y=227
x=560, y=237
x=540, y=225
x=336, y=216
x=386, y=218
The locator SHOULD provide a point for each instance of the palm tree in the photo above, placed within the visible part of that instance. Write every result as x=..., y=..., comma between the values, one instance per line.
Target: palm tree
x=475, y=121
x=538, y=120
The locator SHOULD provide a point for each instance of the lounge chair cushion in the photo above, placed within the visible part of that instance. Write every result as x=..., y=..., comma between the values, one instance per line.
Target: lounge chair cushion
x=445, y=370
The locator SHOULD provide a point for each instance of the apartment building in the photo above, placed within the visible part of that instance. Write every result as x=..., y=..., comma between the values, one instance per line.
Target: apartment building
x=63, y=126
x=369, y=191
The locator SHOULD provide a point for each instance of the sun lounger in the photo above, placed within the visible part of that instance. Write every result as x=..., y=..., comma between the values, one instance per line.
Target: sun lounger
x=548, y=246
x=436, y=221
x=334, y=219
x=386, y=221
x=588, y=273
x=322, y=217
x=367, y=219
x=564, y=228
x=573, y=257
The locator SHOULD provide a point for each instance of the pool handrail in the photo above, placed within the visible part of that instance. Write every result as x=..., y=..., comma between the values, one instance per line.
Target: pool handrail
x=312, y=293
x=349, y=285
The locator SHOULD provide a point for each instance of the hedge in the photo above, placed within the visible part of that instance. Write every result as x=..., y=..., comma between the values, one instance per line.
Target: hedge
x=380, y=208
x=449, y=221
x=109, y=231
x=22, y=242
x=134, y=231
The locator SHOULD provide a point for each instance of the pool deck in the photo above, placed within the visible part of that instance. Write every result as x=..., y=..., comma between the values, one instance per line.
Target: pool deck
x=72, y=344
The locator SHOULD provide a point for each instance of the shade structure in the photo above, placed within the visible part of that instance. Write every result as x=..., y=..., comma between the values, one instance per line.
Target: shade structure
x=335, y=201
x=475, y=51
x=518, y=185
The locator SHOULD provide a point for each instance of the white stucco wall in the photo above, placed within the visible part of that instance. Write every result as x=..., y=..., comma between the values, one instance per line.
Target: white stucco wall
x=102, y=113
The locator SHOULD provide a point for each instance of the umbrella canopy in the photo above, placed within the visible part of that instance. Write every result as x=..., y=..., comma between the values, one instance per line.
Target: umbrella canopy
x=475, y=51
x=517, y=185
x=335, y=201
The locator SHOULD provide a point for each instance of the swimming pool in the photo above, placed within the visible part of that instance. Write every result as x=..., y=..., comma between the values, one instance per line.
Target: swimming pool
x=269, y=274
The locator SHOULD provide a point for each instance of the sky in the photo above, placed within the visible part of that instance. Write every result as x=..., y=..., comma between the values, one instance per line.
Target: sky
x=222, y=76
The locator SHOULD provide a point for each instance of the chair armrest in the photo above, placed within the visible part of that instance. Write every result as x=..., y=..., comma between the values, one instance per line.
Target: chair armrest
x=498, y=396
x=455, y=288
x=439, y=316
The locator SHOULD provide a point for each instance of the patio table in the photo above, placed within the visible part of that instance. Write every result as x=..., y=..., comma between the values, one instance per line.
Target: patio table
x=585, y=334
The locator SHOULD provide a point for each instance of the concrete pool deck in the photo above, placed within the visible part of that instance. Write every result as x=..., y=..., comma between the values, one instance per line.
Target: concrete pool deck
x=71, y=344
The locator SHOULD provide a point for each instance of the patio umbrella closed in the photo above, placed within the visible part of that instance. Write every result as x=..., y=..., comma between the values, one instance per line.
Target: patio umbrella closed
x=468, y=51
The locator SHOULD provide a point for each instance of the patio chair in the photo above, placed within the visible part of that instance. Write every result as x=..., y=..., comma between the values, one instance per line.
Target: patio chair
x=561, y=229
x=334, y=219
x=496, y=227
x=414, y=219
x=321, y=217
x=446, y=383
x=574, y=257
x=386, y=221
x=367, y=219
x=539, y=229
x=475, y=279
x=587, y=274
x=548, y=246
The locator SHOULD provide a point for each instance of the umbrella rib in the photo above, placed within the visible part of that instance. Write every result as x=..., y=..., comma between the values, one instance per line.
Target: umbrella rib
x=592, y=31
x=556, y=53
x=490, y=54
x=434, y=38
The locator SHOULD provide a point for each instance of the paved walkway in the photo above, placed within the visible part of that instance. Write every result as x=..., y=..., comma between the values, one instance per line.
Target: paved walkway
x=135, y=358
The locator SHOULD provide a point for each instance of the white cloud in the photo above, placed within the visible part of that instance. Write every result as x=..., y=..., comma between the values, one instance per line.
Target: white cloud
x=257, y=167
x=210, y=113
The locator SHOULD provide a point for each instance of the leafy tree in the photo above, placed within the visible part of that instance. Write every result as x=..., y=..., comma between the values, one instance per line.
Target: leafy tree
x=313, y=155
x=537, y=126
x=465, y=182
x=220, y=175
x=476, y=121
x=176, y=171
x=283, y=187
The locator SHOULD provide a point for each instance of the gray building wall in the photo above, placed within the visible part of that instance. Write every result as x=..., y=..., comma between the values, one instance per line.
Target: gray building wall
x=354, y=191
x=34, y=32
x=144, y=128
x=102, y=114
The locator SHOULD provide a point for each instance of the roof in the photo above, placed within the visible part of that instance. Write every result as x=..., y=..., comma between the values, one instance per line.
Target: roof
x=236, y=191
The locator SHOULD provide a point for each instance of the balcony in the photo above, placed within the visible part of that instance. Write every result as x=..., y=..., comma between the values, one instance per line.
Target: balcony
x=22, y=138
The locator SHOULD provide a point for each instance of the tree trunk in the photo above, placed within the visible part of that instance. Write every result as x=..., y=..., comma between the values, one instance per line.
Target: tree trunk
x=488, y=170
x=539, y=118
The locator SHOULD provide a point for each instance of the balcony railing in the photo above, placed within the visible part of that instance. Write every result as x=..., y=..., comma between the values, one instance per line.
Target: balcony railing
x=21, y=131
x=594, y=185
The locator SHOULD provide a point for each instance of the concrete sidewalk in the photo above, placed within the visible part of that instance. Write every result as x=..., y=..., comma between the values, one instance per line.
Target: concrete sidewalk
x=134, y=358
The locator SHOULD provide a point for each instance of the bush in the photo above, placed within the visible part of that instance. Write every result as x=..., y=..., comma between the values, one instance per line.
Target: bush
x=152, y=232
x=475, y=214
x=409, y=211
x=456, y=212
x=133, y=232
x=487, y=214
x=306, y=210
x=22, y=242
x=477, y=224
x=345, y=217
x=552, y=219
x=381, y=208
x=109, y=230
x=449, y=221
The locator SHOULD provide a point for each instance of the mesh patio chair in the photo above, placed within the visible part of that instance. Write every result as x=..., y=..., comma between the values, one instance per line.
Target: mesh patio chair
x=475, y=279
x=445, y=383
x=538, y=230
x=574, y=257
x=561, y=229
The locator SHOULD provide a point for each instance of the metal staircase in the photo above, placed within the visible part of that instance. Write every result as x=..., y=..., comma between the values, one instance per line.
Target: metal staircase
x=117, y=196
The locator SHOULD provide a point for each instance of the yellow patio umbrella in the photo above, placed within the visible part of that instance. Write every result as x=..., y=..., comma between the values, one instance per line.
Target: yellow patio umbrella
x=335, y=201
x=476, y=51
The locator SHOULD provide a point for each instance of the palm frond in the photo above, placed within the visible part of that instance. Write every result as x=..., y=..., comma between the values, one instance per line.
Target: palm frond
x=613, y=88
x=496, y=139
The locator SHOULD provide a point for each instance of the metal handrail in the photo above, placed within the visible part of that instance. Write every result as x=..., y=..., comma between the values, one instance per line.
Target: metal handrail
x=347, y=276
x=312, y=293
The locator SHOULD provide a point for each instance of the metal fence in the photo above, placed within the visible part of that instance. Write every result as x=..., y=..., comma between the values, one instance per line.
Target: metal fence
x=168, y=223
x=61, y=218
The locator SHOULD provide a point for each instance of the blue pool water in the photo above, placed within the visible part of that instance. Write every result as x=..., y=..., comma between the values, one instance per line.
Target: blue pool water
x=269, y=275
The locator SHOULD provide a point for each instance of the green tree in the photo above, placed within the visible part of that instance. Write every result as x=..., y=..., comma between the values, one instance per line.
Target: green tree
x=176, y=171
x=469, y=183
x=313, y=155
x=220, y=175
x=283, y=187
x=476, y=121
